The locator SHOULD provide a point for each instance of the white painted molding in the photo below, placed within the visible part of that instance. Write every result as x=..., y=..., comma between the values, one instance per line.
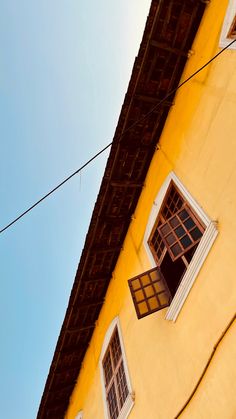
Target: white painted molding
x=79, y=415
x=195, y=265
x=130, y=398
x=230, y=14
x=202, y=250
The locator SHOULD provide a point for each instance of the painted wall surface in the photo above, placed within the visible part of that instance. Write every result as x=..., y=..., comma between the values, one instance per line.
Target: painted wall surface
x=166, y=359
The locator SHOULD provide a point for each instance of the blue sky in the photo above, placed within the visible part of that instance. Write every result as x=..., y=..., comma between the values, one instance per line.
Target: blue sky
x=64, y=70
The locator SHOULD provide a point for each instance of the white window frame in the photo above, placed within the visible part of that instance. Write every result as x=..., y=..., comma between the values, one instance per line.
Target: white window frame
x=79, y=415
x=230, y=14
x=201, y=252
x=130, y=398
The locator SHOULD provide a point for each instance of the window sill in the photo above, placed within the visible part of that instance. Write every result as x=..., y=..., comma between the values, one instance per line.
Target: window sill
x=126, y=409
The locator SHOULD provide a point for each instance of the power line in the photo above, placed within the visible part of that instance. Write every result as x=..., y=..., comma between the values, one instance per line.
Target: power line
x=121, y=135
x=54, y=189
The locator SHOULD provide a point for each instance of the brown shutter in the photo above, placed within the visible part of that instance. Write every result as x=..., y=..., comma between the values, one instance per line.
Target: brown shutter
x=150, y=292
x=181, y=232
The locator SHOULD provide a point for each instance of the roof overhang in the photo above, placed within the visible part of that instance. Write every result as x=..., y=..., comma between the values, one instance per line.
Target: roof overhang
x=170, y=30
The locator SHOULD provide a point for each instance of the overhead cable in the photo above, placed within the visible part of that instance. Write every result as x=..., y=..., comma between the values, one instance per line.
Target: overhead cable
x=119, y=137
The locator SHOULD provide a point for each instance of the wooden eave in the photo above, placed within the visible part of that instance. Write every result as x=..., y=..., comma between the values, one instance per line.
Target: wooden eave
x=170, y=30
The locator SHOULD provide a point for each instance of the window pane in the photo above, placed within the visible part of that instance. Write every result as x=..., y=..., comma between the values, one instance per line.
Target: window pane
x=149, y=291
x=165, y=229
x=163, y=298
x=170, y=239
x=179, y=231
x=122, y=384
x=186, y=242
x=115, y=349
x=159, y=286
x=189, y=223
x=145, y=280
x=196, y=233
x=136, y=284
x=107, y=368
x=143, y=308
x=154, y=275
x=183, y=214
x=174, y=222
x=112, y=403
x=176, y=249
x=153, y=303
x=139, y=295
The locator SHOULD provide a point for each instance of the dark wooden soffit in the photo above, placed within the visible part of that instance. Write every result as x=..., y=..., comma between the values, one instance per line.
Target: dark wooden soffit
x=170, y=30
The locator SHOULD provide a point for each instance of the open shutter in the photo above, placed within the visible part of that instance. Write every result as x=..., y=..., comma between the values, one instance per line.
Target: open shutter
x=150, y=292
x=181, y=232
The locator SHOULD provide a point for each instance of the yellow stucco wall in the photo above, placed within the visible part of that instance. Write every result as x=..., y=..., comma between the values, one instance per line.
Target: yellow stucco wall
x=166, y=359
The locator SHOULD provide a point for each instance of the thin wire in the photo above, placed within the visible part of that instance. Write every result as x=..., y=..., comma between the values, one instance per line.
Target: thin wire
x=54, y=189
x=121, y=135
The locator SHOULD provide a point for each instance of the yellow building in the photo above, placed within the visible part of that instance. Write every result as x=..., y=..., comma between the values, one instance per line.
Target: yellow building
x=150, y=327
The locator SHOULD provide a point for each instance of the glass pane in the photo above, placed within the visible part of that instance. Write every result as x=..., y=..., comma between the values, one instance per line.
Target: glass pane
x=149, y=291
x=154, y=275
x=107, y=368
x=179, y=203
x=139, y=295
x=196, y=233
x=174, y=222
x=186, y=242
x=170, y=239
x=179, y=231
x=143, y=308
x=165, y=229
x=159, y=286
x=176, y=249
x=122, y=384
x=145, y=280
x=189, y=223
x=163, y=298
x=136, y=284
x=183, y=214
x=112, y=403
x=172, y=207
x=153, y=303
x=115, y=348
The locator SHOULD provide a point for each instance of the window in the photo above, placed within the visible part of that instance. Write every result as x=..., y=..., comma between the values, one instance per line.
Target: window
x=115, y=379
x=232, y=30
x=178, y=238
x=173, y=241
x=114, y=373
x=228, y=32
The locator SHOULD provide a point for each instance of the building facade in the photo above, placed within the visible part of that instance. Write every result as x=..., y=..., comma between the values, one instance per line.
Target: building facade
x=156, y=337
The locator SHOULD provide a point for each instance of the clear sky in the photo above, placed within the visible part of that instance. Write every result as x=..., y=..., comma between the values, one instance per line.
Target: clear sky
x=64, y=70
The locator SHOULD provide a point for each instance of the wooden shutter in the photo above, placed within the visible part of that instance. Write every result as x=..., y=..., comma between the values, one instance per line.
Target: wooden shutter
x=181, y=232
x=150, y=292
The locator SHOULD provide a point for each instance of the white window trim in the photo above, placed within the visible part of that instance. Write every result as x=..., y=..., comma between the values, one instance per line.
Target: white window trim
x=202, y=250
x=230, y=13
x=130, y=399
x=79, y=415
